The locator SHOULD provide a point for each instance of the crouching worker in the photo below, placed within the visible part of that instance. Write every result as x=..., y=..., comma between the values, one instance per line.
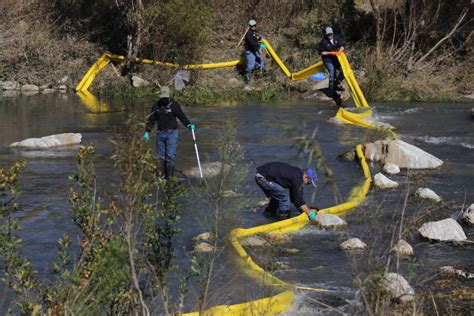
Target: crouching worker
x=283, y=184
x=164, y=112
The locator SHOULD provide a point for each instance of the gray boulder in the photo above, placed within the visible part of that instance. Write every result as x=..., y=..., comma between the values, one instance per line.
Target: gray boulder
x=427, y=194
x=468, y=215
x=203, y=247
x=402, y=154
x=403, y=248
x=253, y=241
x=391, y=168
x=138, y=82
x=329, y=221
x=383, y=182
x=59, y=140
x=398, y=287
x=445, y=230
x=353, y=244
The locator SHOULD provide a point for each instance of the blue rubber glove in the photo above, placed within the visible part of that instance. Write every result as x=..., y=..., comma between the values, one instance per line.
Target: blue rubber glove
x=191, y=126
x=312, y=215
x=263, y=46
x=146, y=137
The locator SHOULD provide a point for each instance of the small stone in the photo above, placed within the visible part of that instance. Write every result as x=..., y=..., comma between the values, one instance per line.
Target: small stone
x=281, y=266
x=329, y=221
x=290, y=250
x=348, y=156
x=398, y=287
x=445, y=230
x=262, y=203
x=230, y=193
x=336, y=121
x=203, y=247
x=353, y=244
x=48, y=91
x=138, y=82
x=276, y=238
x=403, y=248
x=63, y=80
x=452, y=271
x=62, y=88
x=249, y=88
x=391, y=168
x=45, y=86
x=203, y=237
x=253, y=241
x=427, y=194
x=383, y=182
x=29, y=89
x=468, y=215
x=10, y=85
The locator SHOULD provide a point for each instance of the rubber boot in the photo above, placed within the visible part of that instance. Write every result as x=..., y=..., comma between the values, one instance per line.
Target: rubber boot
x=271, y=209
x=338, y=87
x=284, y=214
x=169, y=171
x=332, y=92
x=164, y=169
x=247, y=78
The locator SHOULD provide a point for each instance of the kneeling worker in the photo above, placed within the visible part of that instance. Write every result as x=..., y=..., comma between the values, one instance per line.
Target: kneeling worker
x=276, y=178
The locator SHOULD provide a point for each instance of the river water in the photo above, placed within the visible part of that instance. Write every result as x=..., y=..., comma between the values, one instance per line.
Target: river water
x=265, y=131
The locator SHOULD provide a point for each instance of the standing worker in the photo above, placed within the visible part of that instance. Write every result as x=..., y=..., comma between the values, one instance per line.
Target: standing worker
x=252, y=51
x=329, y=44
x=164, y=112
x=276, y=178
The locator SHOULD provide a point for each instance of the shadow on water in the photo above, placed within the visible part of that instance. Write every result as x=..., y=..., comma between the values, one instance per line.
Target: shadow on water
x=263, y=131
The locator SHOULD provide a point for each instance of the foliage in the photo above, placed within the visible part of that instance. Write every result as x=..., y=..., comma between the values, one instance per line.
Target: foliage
x=230, y=153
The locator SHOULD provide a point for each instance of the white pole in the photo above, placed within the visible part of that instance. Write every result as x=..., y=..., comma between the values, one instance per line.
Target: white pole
x=197, y=152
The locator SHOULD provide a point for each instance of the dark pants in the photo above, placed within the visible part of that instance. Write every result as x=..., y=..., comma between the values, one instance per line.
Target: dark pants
x=166, y=143
x=278, y=195
x=335, y=71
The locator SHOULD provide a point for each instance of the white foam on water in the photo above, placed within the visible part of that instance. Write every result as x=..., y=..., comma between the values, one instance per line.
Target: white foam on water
x=470, y=146
x=412, y=110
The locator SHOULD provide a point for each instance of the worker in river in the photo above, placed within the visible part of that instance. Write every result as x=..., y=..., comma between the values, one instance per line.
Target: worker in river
x=253, y=56
x=329, y=45
x=283, y=184
x=164, y=112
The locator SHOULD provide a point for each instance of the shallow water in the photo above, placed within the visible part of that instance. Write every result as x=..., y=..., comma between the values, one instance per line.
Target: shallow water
x=444, y=130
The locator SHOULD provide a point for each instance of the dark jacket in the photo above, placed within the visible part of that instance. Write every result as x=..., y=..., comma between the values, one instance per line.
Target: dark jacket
x=287, y=176
x=326, y=46
x=251, y=41
x=164, y=112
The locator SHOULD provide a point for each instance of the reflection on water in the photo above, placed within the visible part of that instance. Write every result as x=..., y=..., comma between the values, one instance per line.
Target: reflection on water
x=264, y=132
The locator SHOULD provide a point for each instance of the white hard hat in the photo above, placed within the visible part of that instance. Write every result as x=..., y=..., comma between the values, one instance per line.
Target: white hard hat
x=329, y=30
x=252, y=22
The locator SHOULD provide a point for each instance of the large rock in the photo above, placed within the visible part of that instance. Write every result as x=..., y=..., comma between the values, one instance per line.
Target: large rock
x=59, y=140
x=319, y=85
x=277, y=238
x=397, y=287
x=353, y=244
x=468, y=215
x=445, y=230
x=402, y=154
x=427, y=194
x=383, y=182
x=403, y=248
x=391, y=168
x=329, y=221
x=29, y=88
x=138, y=82
x=210, y=169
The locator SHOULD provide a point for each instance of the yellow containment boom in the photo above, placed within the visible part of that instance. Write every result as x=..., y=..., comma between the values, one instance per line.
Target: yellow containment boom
x=356, y=92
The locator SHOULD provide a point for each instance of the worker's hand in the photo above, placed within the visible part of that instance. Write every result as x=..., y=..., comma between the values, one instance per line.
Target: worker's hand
x=312, y=215
x=191, y=126
x=263, y=46
x=146, y=137
x=341, y=49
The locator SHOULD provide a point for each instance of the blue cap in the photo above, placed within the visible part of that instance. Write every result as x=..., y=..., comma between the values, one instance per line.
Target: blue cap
x=311, y=173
